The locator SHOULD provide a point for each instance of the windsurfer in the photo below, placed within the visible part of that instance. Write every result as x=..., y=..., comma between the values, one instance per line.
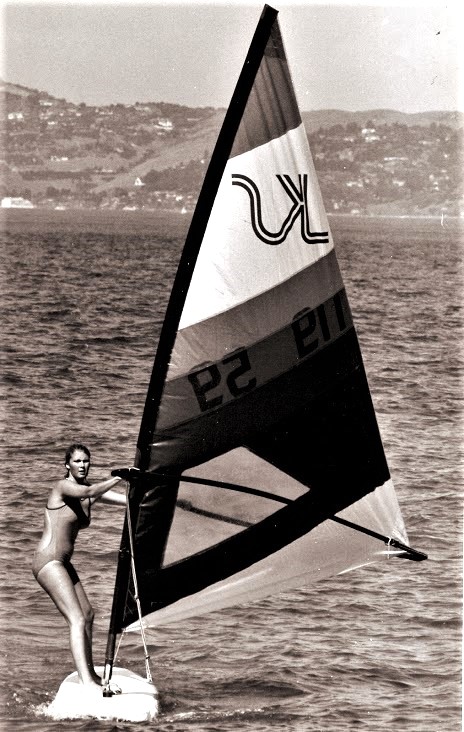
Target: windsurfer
x=68, y=510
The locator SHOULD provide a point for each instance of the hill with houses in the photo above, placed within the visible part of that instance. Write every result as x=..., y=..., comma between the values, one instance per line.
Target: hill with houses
x=153, y=155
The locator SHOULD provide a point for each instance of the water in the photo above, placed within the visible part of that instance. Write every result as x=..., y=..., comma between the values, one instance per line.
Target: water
x=379, y=649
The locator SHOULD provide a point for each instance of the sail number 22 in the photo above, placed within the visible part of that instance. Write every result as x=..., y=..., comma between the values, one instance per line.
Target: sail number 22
x=240, y=372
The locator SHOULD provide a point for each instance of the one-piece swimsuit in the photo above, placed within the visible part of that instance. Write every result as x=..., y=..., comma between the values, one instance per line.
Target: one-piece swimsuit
x=62, y=524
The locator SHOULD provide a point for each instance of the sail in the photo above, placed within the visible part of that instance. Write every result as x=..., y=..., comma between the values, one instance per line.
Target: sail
x=258, y=388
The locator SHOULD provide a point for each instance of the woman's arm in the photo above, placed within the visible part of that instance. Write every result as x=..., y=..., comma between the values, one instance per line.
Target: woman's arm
x=80, y=490
x=113, y=498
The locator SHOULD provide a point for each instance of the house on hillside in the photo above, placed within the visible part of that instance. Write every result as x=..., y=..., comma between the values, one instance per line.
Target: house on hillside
x=164, y=124
x=369, y=134
x=18, y=202
x=16, y=116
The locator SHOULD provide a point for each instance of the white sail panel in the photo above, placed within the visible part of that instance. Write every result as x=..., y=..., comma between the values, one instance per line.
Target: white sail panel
x=234, y=265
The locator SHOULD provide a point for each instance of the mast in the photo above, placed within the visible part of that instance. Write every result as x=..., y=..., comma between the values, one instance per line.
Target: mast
x=174, y=309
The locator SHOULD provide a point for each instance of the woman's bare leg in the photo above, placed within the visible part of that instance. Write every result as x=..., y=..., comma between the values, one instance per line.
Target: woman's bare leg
x=55, y=580
x=88, y=614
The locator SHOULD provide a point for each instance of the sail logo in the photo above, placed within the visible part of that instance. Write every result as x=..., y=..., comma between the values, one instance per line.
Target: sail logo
x=298, y=194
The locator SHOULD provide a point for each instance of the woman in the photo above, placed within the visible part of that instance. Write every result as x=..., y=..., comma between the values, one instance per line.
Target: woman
x=67, y=511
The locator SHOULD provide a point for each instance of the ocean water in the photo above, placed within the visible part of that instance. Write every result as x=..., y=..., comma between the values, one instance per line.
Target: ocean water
x=82, y=300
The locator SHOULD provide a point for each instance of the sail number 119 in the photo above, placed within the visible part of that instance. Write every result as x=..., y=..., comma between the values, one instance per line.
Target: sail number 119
x=309, y=331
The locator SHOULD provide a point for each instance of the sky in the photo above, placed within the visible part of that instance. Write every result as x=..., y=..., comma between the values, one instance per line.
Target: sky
x=342, y=56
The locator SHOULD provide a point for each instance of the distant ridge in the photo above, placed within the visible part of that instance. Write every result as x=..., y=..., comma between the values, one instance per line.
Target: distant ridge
x=330, y=117
x=20, y=91
x=313, y=119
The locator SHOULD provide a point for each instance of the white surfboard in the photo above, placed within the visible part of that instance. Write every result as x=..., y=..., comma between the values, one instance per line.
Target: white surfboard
x=137, y=702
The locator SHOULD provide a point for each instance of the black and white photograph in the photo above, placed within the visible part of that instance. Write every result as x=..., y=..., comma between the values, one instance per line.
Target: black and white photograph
x=232, y=278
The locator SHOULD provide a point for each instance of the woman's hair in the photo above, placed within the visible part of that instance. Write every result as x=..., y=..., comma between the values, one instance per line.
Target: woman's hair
x=72, y=448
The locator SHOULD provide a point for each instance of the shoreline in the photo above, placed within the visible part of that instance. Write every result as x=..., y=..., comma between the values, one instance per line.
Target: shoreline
x=62, y=212
x=172, y=224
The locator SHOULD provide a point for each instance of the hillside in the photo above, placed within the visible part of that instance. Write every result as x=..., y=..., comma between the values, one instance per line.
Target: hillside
x=154, y=155
x=379, y=117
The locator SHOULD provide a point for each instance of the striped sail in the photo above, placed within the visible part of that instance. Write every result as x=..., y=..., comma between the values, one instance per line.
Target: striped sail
x=258, y=382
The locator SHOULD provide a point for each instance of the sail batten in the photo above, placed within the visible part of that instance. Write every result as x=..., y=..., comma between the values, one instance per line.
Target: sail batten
x=258, y=380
